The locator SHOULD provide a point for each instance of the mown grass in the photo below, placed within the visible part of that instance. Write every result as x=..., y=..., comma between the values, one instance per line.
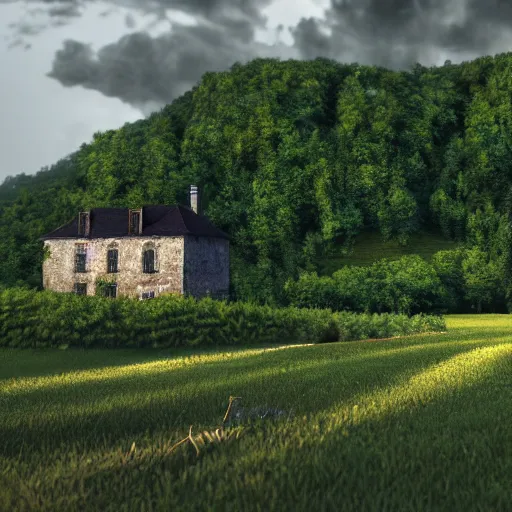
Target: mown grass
x=415, y=423
x=369, y=247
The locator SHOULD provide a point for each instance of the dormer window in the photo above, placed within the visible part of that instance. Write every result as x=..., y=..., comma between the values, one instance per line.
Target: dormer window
x=134, y=222
x=83, y=224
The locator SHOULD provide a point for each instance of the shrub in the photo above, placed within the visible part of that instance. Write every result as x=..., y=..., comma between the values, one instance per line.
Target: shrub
x=31, y=319
x=408, y=285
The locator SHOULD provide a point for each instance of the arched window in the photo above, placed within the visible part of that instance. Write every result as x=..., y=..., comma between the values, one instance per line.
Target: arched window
x=148, y=261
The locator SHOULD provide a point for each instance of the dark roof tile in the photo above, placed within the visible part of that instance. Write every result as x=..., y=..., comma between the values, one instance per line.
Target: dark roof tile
x=157, y=220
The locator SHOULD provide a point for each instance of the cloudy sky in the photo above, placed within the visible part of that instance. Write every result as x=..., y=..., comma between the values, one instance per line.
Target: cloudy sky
x=73, y=67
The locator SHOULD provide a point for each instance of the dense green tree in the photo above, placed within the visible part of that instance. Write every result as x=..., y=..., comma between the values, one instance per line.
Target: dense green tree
x=448, y=267
x=408, y=285
x=481, y=279
x=293, y=159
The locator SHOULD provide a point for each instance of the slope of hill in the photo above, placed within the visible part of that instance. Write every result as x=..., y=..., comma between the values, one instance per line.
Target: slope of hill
x=292, y=156
x=369, y=247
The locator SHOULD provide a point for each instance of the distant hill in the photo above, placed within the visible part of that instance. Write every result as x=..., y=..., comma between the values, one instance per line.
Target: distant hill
x=294, y=159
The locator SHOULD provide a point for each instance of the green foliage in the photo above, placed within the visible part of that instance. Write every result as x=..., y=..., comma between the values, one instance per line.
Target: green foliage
x=101, y=284
x=398, y=215
x=407, y=285
x=30, y=319
x=369, y=247
x=294, y=159
x=481, y=279
x=448, y=267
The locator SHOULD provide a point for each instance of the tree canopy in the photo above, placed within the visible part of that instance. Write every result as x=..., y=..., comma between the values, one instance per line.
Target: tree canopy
x=293, y=158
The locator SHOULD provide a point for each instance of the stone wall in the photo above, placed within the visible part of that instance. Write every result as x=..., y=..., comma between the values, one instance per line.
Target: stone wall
x=206, y=268
x=59, y=269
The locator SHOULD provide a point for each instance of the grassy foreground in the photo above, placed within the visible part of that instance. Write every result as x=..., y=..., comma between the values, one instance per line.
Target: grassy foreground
x=416, y=423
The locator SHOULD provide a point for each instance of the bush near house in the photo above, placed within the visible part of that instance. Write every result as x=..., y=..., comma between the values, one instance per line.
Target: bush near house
x=32, y=319
x=408, y=285
x=454, y=281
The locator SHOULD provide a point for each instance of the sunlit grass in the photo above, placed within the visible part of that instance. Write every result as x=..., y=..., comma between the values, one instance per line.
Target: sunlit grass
x=414, y=423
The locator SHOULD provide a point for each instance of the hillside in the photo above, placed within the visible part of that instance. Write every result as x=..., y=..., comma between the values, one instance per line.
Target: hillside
x=369, y=247
x=294, y=159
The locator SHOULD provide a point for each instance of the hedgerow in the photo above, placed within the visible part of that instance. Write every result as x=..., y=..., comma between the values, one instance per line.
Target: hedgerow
x=31, y=319
x=408, y=285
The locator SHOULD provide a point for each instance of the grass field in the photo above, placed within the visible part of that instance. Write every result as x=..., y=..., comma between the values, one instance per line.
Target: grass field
x=416, y=423
x=369, y=247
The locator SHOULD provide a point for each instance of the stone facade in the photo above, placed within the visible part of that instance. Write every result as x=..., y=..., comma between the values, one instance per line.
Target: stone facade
x=183, y=264
x=205, y=269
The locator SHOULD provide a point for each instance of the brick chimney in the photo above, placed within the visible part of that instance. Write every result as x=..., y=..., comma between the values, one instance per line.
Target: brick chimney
x=194, y=198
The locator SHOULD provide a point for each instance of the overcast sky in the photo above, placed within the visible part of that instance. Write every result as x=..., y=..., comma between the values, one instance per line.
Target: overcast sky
x=73, y=67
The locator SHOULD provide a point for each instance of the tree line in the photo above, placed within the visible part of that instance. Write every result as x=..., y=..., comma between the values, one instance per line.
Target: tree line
x=294, y=159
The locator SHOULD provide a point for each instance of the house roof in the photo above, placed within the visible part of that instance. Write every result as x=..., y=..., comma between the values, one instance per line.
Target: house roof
x=157, y=220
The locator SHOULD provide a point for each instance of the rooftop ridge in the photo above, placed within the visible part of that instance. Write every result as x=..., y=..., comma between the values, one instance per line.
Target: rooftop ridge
x=109, y=222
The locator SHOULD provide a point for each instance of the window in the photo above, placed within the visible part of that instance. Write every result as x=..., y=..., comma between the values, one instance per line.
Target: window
x=83, y=224
x=110, y=290
x=148, y=295
x=80, y=257
x=112, y=260
x=134, y=222
x=81, y=288
x=148, y=263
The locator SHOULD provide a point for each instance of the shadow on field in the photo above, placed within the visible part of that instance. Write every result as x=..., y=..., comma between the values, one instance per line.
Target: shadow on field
x=445, y=452
x=19, y=363
x=99, y=413
x=440, y=451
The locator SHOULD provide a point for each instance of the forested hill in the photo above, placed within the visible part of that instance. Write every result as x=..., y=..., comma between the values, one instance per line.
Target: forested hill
x=292, y=157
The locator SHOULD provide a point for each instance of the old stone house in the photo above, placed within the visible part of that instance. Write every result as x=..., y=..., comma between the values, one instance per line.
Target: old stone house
x=144, y=253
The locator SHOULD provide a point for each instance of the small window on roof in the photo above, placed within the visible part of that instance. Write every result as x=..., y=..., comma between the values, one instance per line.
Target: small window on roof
x=134, y=222
x=83, y=224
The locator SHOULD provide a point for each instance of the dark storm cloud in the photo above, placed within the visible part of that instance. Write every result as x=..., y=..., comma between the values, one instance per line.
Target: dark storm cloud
x=66, y=11
x=210, y=9
x=309, y=39
x=129, y=21
x=148, y=72
x=398, y=33
x=75, y=64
